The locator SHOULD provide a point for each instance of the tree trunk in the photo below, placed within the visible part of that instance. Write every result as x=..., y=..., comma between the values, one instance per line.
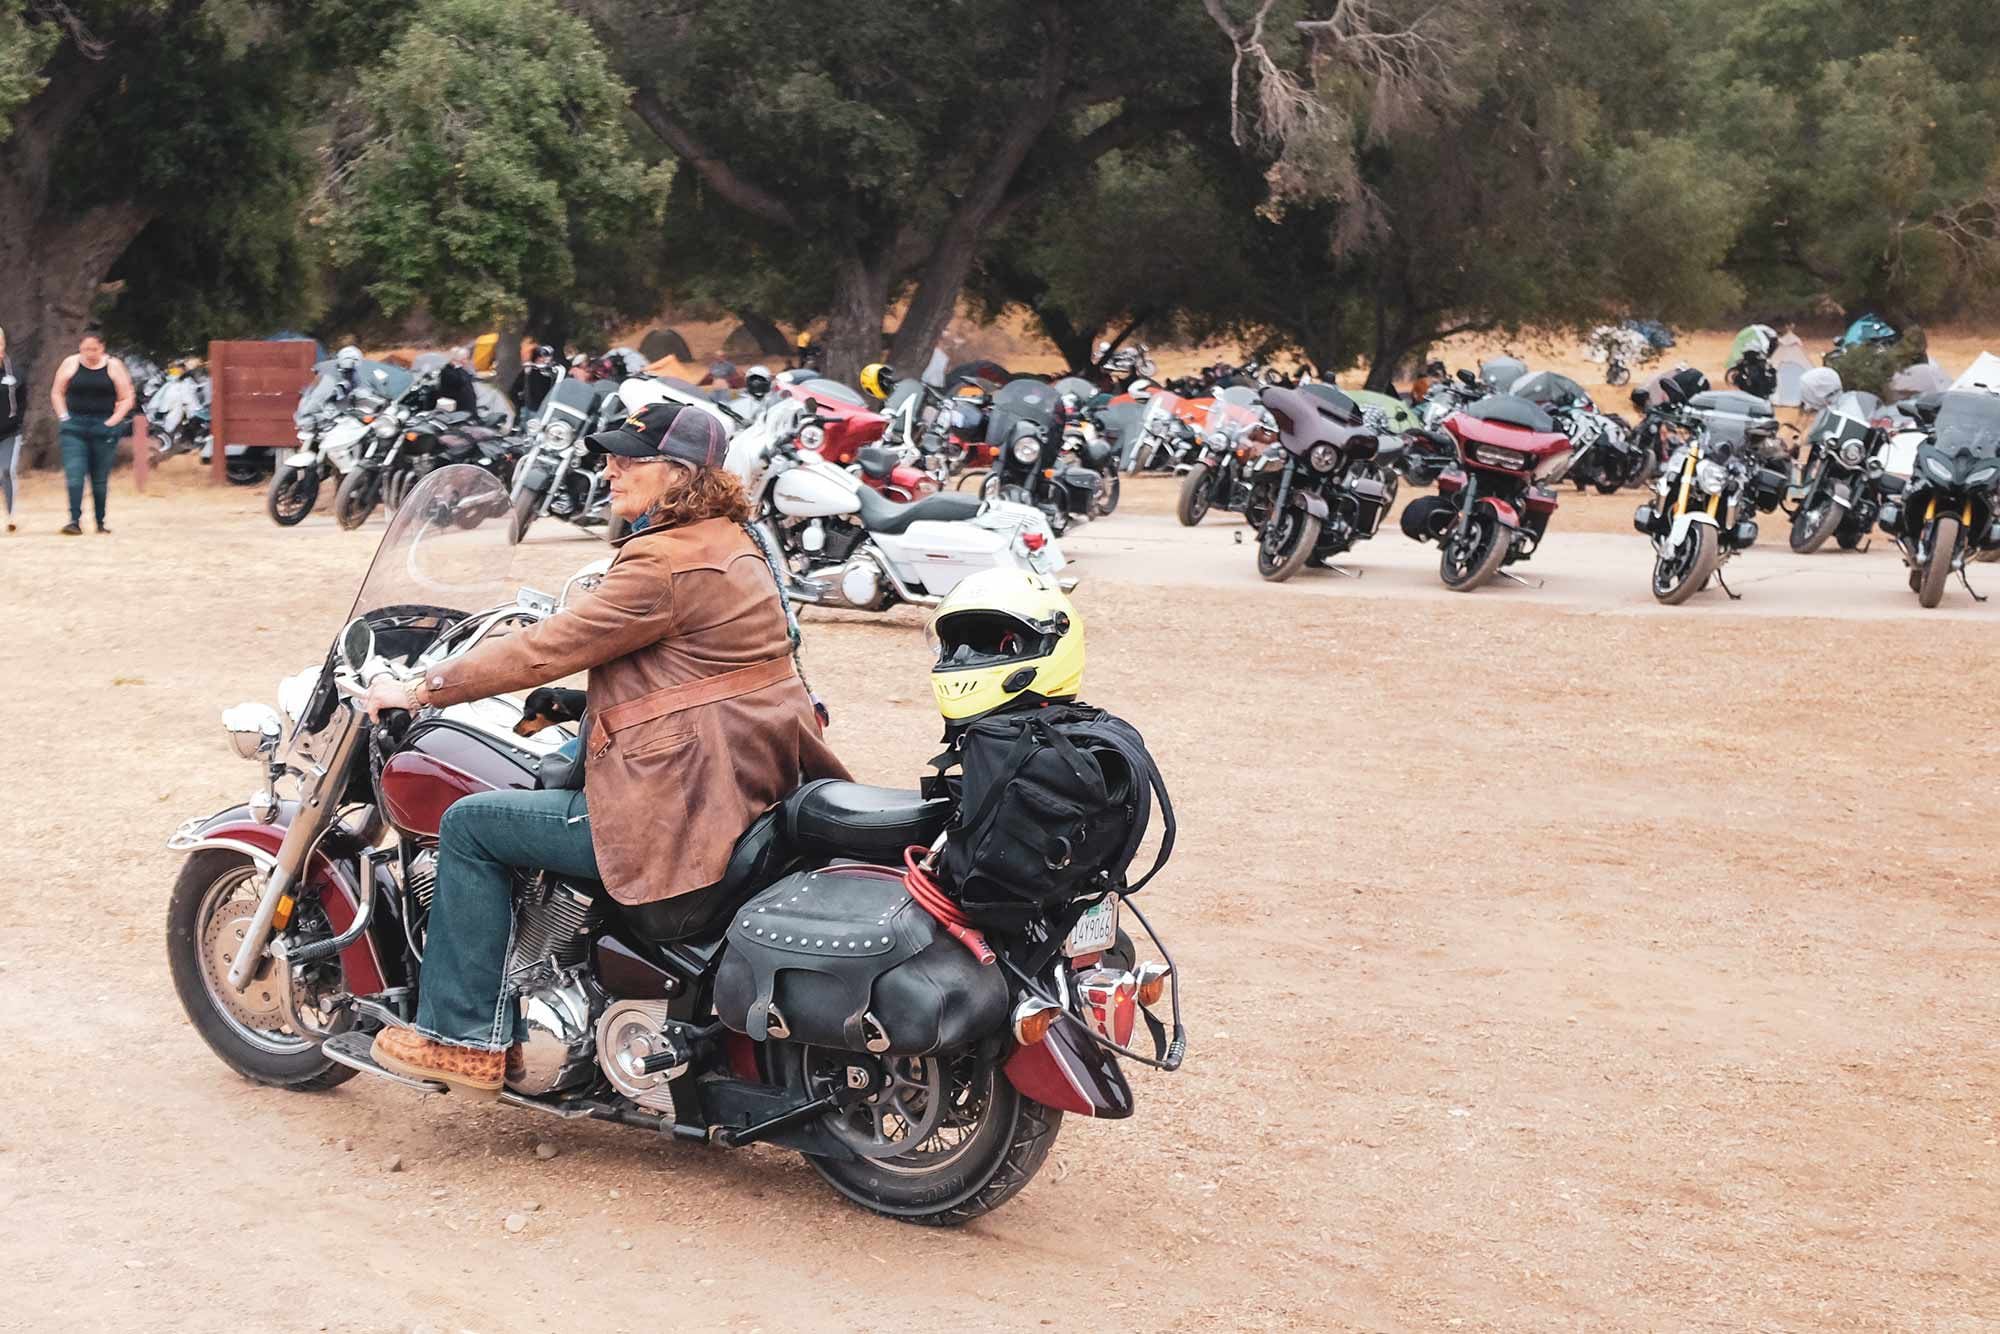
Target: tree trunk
x=507, y=359
x=770, y=339
x=1078, y=346
x=854, y=326
x=934, y=302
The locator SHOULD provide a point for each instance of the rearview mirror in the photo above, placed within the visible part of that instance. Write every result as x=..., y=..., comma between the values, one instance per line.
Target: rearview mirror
x=357, y=644
x=381, y=376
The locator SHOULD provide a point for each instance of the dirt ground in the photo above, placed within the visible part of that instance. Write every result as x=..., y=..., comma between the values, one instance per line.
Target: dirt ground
x=1546, y=968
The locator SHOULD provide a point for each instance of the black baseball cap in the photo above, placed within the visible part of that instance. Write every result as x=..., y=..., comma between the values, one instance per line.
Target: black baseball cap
x=665, y=431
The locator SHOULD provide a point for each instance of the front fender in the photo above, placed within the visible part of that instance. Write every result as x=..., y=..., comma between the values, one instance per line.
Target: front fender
x=1503, y=513
x=1070, y=1073
x=339, y=896
x=1314, y=505
x=1682, y=523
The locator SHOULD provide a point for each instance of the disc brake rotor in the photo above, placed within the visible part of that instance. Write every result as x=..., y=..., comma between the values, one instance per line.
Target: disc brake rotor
x=898, y=1117
x=258, y=1005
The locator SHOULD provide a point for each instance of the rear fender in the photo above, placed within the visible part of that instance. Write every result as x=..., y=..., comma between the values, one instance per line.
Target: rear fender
x=1503, y=513
x=1685, y=521
x=1070, y=1073
x=339, y=896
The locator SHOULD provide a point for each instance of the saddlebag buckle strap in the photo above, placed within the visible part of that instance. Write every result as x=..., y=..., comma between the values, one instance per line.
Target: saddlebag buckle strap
x=607, y=723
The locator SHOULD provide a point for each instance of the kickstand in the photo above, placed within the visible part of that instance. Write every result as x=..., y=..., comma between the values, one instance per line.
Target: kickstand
x=1734, y=596
x=1968, y=585
x=1509, y=574
x=1347, y=570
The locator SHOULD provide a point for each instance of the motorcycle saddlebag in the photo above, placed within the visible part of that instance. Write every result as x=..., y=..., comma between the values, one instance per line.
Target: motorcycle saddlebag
x=845, y=958
x=1768, y=487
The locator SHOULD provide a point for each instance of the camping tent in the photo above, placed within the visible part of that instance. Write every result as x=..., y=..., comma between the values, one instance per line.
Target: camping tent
x=1912, y=381
x=1983, y=373
x=1791, y=361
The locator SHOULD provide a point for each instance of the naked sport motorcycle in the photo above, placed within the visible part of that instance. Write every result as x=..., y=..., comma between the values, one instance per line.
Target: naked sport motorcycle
x=296, y=929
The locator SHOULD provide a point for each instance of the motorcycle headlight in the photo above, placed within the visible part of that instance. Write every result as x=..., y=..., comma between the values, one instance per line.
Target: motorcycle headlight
x=386, y=426
x=1850, y=453
x=1495, y=457
x=1937, y=467
x=812, y=437
x=559, y=434
x=1027, y=449
x=1323, y=457
x=1981, y=476
x=1712, y=478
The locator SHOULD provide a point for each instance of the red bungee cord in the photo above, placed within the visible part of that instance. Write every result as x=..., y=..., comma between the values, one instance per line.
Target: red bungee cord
x=939, y=905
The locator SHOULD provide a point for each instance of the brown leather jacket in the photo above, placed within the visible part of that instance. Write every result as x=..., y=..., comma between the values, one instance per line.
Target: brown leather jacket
x=698, y=721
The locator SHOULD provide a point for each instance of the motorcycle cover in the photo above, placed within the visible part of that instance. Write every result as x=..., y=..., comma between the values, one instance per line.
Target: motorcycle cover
x=1549, y=388
x=1399, y=415
x=1868, y=329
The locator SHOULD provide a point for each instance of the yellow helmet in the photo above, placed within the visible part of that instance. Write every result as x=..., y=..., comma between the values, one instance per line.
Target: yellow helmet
x=1003, y=637
x=878, y=380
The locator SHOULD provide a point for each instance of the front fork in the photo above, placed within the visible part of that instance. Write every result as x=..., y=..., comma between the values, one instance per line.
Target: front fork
x=318, y=800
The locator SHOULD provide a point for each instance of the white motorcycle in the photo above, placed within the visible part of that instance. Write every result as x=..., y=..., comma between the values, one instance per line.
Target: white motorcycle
x=334, y=423
x=843, y=544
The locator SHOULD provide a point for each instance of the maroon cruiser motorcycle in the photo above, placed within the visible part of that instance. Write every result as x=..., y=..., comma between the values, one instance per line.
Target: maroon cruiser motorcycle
x=296, y=929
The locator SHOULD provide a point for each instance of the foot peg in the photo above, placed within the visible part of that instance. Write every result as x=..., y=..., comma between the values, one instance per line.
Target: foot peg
x=352, y=1049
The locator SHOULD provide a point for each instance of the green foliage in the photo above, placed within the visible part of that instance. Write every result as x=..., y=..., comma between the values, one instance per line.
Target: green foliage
x=484, y=150
x=25, y=49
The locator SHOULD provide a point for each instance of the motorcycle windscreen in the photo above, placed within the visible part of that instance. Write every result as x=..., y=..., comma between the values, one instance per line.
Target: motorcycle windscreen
x=1970, y=420
x=573, y=400
x=446, y=556
x=1549, y=387
x=1021, y=401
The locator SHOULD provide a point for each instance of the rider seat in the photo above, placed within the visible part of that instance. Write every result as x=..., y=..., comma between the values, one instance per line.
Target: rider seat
x=882, y=515
x=877, y=463
x=823, y=818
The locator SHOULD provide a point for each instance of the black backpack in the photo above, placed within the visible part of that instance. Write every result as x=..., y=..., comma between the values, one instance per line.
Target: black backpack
x=1052, y=805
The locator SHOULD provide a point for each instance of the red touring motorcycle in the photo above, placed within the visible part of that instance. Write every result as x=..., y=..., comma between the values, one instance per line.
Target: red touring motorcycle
x=296, y=928
x=1494, y=507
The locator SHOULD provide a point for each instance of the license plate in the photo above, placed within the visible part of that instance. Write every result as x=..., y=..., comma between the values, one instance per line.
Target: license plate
x=1095, y=931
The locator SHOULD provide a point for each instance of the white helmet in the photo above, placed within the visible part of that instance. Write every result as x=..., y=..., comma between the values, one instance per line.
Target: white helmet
x=348, y=357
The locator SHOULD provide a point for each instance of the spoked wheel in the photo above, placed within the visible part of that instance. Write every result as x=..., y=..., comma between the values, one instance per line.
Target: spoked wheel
x=943, y=1140
x=1470, y=559
x=355, y=500
x=1936, y=569
x=212, y=905
x=1679, y=576
x=1197, y=493
x=293, y=491
x=1286, y=543
x=1814, y=523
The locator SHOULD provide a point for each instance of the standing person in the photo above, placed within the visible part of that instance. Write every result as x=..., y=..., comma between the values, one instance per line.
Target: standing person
x=456, y=382
x=92, y=397
x=12, y=408
x=532, y=385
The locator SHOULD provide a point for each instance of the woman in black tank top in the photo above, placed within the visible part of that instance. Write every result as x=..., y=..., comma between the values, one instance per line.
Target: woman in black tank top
x=93, y=398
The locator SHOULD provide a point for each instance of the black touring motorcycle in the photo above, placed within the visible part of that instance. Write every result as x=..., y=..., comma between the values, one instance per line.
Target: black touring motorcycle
x=815, y=997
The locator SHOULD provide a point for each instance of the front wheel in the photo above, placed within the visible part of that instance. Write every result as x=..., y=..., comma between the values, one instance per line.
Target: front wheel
x=1617, y=373
x=1286, y=544
x=1937, y=569
x=1106, y=499
x=1197, y=493
x=1814, y=523
x=1680, y=575
x=293, y=492
x=211, y=907
x=947, y=1140
x=526, y=506
x=355, y=500
x=1471, y=558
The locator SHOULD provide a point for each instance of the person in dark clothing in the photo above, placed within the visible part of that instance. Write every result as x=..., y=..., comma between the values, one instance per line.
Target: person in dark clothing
x=455, y=382
x=13, y=406
x=93, y=398
x=535, y=380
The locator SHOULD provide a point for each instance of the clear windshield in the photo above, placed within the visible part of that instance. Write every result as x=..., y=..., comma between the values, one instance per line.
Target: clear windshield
x=832, y=391
x=325, y=390
x=1232, y=419
x=1161, y=408
x=1969, y=421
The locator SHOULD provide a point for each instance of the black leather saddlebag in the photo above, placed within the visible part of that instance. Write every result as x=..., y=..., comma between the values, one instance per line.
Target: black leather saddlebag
x=845, y=958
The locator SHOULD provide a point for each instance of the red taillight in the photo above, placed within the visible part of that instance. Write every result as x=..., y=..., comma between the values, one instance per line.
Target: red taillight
x=1110, y=1002
x=1034, y=541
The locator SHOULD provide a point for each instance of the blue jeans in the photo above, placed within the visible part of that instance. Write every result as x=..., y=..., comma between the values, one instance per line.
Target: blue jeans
x=88, y=447
x=463, y=997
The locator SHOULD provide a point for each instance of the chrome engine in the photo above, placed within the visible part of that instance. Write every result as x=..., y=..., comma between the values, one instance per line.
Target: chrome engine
x=559, y=998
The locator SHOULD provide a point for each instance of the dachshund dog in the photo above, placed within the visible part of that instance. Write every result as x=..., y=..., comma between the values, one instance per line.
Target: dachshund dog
x=546, y=706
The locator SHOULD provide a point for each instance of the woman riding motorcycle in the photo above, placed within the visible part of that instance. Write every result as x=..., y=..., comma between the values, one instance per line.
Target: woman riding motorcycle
x=697, y=722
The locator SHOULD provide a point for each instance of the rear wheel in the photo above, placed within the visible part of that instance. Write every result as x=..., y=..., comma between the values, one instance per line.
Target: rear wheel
x=210, y=909
x=293, y=491
x=526, y=505
x=1287, y=543
x=1679, y=576
x=1197, y=493
x=1937, y=569
x=1470, y=559
x=945, y=1140
x=355, y=500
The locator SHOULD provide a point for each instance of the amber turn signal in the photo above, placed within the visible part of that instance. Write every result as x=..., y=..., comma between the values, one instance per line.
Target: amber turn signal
x=1032, y=1019
x=1153, y=982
